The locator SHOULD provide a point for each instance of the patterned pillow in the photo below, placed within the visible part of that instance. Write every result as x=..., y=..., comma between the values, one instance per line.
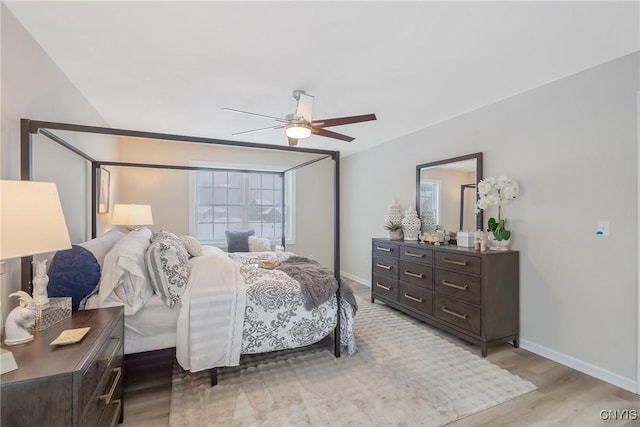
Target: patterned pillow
x=168, y=264
x=257, y=244
x=238, y=241
x=192, y=245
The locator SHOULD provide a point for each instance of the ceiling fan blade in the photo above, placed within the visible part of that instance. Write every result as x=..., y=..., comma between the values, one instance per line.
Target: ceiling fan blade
x=258, y=130
x=339, y=121
x=292, y=142
x=330, y=134
x=255, y=114
x=305, y=107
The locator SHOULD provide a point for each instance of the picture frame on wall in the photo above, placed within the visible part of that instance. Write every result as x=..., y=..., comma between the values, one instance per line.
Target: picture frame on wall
x=104, y=178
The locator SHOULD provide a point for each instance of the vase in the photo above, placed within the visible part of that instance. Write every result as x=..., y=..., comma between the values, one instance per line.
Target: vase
x=394, y=214
x=428, y=220
x=411, y=225
x=395, y=234
x=498, y=245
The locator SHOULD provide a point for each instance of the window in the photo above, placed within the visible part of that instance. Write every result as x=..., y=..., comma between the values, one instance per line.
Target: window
x=229, y=200
x=430, y=199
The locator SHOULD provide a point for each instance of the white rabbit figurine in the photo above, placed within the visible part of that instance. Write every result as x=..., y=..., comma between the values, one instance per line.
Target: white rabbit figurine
x=19, y=320
x=40, y=282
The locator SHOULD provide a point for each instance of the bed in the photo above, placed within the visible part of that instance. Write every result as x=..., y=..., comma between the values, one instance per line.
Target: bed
x=227, y=305
x=150, y=325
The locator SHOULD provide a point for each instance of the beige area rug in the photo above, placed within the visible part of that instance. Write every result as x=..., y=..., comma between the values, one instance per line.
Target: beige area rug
x=401, y=374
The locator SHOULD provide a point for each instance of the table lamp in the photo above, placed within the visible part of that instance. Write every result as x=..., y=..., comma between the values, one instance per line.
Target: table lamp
x=31, y=222
x=132, y=215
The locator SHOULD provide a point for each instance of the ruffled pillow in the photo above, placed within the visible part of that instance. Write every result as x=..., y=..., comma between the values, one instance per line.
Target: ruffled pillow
x=259, y=244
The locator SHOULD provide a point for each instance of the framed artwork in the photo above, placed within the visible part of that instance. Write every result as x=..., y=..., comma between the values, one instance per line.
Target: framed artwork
x=104, y=176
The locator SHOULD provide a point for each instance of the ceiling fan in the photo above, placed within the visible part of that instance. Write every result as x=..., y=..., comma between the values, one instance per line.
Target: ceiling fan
x=301, y=125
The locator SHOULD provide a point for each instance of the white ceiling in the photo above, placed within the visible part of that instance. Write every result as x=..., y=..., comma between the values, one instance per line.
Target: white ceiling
x=171, y=66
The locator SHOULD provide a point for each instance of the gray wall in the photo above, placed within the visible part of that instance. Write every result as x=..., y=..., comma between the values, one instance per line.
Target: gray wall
x=571, y=145
x=34, y=87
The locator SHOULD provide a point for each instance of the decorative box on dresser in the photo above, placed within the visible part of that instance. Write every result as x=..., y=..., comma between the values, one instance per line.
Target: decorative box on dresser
x=471, y=294
x=69, y=385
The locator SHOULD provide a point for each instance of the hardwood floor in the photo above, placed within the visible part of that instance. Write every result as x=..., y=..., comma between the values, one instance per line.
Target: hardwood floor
x=564, y=397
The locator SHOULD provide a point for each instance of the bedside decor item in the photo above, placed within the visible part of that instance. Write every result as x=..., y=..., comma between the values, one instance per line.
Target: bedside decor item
x=55, y=311
x=394, y=213
x=495, y=192
x=70, y=336
x=394, y=230
x=25, y=230
x=132, y=215
x=465, y=239
x=411, y=225
x=19, y=320
x=40, y=282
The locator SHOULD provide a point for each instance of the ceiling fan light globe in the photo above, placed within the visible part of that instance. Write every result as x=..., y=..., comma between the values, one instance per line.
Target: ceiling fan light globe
x=298, y=131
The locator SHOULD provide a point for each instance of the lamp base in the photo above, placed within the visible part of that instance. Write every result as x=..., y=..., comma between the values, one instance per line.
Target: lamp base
x=7, y=362
x=20, y=341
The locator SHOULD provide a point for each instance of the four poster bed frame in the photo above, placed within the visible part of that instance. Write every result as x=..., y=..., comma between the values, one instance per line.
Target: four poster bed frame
x=158, y=358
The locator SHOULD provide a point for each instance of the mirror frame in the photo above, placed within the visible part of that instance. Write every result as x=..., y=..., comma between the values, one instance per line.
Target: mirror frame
x=476, y=156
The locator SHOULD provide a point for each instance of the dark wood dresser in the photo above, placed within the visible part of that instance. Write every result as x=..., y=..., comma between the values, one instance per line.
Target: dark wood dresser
x=471, y=294
x=71, y=385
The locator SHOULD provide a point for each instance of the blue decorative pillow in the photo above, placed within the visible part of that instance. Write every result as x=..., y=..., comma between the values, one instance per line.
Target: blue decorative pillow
x=238, y=241
x=73, y=273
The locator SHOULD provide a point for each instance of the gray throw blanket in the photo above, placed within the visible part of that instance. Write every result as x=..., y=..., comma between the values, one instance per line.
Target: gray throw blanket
x=317, y=283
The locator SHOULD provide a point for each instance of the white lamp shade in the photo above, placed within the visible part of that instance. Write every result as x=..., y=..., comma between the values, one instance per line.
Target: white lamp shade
x=132, y=215
x=31, y=219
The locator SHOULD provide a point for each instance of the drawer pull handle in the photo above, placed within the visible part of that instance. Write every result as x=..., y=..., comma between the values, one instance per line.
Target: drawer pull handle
x=380, y=285
x=417, y=276
x=453, y=313
x=107, y=397
x=116, y=414
x=386, y=267
x=419, y=300
x=107, y=360
x=414, y=255
x=455, y=262
x=380, y=248
x=455, y=286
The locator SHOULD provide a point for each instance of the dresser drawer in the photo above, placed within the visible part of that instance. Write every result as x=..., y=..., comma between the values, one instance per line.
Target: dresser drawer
x=416, y=297
x=99, y=410
x=385, y=266
x=461, y=286
x=102, y=380
x=384, y=249
x=420, y=255
x=464, y=263
x=416, y=274
x=458, y=313
x=111, y=414
x=385, y=287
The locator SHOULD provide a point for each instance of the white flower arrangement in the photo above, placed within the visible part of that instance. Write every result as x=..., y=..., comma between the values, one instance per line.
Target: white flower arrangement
x=495, y=191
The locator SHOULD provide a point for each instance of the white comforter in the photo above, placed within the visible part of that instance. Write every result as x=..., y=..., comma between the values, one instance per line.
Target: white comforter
x=209, y=330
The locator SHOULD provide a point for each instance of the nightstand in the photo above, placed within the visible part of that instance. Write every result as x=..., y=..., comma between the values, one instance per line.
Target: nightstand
x=71, y=385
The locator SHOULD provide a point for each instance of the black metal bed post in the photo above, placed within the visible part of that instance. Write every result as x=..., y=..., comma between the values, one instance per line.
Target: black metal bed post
x=95, y=166
x=336, y=248
x=25, y=175
x=283, y=237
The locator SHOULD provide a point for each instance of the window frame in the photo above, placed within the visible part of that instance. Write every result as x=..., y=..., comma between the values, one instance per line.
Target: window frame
x=288, y=195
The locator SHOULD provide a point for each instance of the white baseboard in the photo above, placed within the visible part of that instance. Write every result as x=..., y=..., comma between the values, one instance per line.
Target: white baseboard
x=582, y=366
x=356, y=279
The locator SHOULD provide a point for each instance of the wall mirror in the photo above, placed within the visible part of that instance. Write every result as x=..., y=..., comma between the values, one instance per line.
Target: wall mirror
x=446, y=193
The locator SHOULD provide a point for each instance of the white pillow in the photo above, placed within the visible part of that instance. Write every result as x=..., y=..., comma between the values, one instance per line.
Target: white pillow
x=192, y=245
x=168, y=265
x=100, y=246
x=125, y=280
x=258, y=244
